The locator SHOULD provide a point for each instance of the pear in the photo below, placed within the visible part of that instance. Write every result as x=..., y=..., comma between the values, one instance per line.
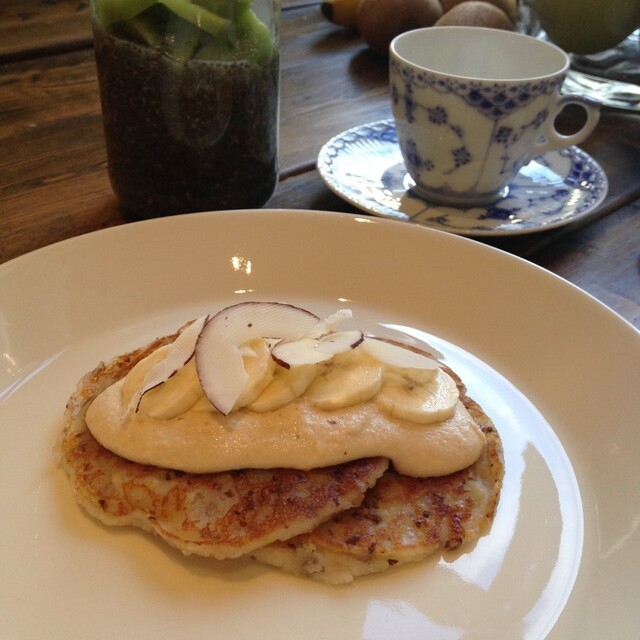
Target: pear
x=588, y=26
x=380, y=21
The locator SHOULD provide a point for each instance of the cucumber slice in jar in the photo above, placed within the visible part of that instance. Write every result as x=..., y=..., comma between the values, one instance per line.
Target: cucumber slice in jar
x=110, y=12
x=225, y=30
x=254, y=41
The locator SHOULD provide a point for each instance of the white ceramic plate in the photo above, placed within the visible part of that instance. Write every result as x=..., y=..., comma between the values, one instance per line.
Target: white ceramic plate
x=364, y=166
x=556, y=370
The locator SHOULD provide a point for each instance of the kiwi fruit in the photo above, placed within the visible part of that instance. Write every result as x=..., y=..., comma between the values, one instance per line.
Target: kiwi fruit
x=476, y=14
x=508, y=6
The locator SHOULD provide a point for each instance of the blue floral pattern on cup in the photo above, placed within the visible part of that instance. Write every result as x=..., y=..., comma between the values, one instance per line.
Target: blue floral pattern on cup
x=496, y=102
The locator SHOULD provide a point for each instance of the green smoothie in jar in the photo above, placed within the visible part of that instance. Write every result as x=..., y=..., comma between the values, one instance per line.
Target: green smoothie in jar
x=189, y=93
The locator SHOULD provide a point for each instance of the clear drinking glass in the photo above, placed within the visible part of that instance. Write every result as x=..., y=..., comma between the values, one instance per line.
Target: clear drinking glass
x=610, y=75
x=190, y=101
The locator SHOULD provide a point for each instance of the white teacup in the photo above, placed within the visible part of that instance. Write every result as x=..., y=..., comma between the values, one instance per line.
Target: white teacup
x=473, y=106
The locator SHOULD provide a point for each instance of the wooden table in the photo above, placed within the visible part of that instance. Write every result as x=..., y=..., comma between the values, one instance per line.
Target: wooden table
x=53, y=177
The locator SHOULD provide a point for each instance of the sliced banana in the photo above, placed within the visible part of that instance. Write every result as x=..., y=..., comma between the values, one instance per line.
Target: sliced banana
x=402, y=396
x=259, y=366
x=346, y=380
x=405, y=384
x=174, y=396
x=285, y=386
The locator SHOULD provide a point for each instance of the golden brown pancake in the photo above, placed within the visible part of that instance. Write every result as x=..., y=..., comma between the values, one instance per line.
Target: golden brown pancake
x=331, y=524
x=402, y=519
x=221, y=515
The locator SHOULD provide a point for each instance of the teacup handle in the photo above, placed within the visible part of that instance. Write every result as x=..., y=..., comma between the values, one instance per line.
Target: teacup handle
x=554, y=139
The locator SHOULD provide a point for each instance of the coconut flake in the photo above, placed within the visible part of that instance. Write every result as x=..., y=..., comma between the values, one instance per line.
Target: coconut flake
x=299, y=352
x=307, y=350
x=219, y=360
x=329, y=324
x=340, y=341
x=397, y=356
x=180, y=351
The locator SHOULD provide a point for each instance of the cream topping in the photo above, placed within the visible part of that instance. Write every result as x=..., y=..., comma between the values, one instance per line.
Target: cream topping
x=220, y=397
x=297, y=435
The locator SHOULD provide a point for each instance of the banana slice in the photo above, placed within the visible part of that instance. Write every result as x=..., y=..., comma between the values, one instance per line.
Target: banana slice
x=174, y=396
x=286, y=386
x=345, y=381
x=404, y=397
x=259, y=366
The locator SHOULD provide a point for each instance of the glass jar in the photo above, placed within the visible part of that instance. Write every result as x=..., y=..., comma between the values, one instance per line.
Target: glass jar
x=190, y=101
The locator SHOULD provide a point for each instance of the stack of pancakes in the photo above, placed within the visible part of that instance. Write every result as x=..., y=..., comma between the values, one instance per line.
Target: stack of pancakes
x=331, y=524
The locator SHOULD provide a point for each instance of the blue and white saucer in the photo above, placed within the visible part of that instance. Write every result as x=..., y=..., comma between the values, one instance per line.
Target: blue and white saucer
x=364, y=166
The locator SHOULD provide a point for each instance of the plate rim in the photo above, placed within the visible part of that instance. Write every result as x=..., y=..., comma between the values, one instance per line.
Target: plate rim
x=349, y=219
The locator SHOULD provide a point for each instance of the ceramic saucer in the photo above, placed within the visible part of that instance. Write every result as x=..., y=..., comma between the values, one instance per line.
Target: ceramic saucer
x=364, y=166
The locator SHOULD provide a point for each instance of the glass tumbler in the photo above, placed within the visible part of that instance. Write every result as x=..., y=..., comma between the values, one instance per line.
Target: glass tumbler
x=190, y=101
